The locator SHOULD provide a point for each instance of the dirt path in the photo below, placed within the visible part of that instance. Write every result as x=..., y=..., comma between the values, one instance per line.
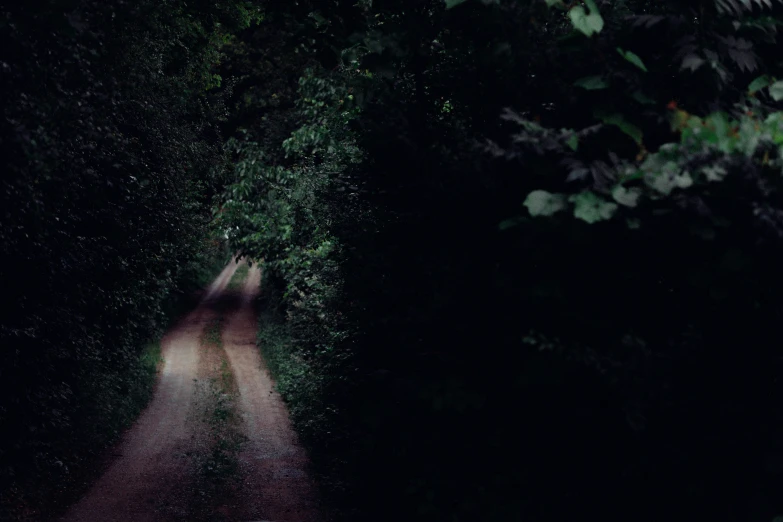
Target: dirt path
x=274, y=466
x=155, y=476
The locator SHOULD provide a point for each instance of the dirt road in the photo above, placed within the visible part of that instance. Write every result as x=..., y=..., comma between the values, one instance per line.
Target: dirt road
x=158, y=471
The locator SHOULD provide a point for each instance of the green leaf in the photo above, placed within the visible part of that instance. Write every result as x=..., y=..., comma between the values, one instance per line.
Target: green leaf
x=573, y=142
x=626, y=197
x=453, y=3
x=692, y=62
x=588, y=24
x=633, y=58
x=759, y=83
x=683, y=181
x=667, y=177
x=543, y=203
x=719, y=121
x=776, y=91
x=621, y=123
x=774, y=123
x=592, y=83
x=642, y=98
x=511, y=223
x=716, y=173
x=590, y=208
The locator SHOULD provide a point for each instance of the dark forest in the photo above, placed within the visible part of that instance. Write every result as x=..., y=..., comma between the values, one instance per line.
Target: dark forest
x=461, y=260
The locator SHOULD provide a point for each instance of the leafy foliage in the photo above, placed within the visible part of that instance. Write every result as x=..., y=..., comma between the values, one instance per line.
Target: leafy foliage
x=513, y=251
x=588, y=22
x=109, y=137
x=410, y=333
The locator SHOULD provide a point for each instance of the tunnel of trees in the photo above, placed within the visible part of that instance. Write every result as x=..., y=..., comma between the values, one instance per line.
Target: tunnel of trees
x=520, y=257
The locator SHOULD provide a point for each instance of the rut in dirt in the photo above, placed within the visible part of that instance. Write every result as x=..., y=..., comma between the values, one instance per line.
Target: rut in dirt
x=157, y=471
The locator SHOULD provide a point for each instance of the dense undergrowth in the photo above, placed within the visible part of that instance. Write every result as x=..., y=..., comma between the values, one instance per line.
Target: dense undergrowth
x=112, y=156
x=520, y=256
x=110, y=399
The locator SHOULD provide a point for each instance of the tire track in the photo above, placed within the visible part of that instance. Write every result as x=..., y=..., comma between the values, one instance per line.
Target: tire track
x=275, y=467
x=150, y=478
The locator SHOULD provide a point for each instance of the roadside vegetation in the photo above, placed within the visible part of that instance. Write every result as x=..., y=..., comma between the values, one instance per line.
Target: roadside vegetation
x=112, y=158
x=520, y=256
